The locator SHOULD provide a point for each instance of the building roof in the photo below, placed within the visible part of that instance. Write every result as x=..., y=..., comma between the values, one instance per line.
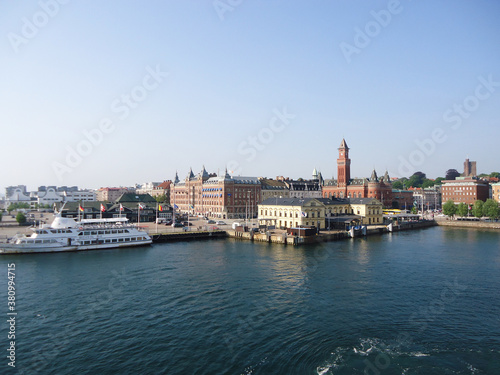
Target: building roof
x=343, y=144
x=135, y=198
x=362, y=200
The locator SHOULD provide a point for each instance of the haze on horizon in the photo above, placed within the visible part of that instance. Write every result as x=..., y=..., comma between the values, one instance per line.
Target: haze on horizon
x=112, y=94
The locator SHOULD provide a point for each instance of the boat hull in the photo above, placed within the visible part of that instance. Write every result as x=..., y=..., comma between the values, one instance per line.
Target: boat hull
x=13, y=249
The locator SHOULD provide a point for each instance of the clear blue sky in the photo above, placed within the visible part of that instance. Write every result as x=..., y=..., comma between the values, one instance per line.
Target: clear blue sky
x=223, y=74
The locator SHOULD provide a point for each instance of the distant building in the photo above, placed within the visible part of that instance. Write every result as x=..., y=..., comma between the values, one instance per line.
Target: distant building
x=272, y=189
x=111, y=194
x=402, y=199
x=427, y=198
x=465, y=189
x=495, y=191
x=48, y=195
x=469, y=169
x=346, y=187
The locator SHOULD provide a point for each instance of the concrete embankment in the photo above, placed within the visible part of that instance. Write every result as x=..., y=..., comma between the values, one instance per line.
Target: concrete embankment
x=188, y=236
x=286, y=239
x=469, y=224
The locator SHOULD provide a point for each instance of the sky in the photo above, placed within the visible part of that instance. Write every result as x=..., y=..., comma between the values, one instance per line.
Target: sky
x=115, y=93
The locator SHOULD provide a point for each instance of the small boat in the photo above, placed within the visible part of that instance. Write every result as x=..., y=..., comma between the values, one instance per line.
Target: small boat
x=67, y=234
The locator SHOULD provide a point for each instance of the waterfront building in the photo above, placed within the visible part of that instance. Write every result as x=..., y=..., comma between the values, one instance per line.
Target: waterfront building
x=225, y=196
x=304, y=188
x=427, y=198
x=318, y=212
x=495, y=191
x=402, y=199
x=111, y=194
x=270, y=188
x=127, y=205
x=162, y=189
x=346, y=187
x=47, y=195
x=465, y=189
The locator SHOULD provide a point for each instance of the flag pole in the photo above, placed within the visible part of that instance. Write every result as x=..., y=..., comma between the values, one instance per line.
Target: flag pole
x=156, y=217
x=138, y=213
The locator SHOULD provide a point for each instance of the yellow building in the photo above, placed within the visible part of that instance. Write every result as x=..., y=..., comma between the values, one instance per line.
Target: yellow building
x=495, y=191
x=295, y=212
x=370, y=209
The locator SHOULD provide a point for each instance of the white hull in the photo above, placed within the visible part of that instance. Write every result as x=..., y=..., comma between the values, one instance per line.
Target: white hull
x=66, y=235
x=4, y=249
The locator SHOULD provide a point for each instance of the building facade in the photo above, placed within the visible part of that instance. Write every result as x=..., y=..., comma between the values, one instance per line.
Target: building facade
x=470, y=169
x=346, y=187
x=294, y=212
x=495, y=191
x=464, y=189
x=224, y=197
x=111, y=194
x=427, y=198
x=402, y=199
x=270, y=188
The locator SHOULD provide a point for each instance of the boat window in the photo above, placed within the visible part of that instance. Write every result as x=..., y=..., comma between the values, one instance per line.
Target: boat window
x=100, y=232
x=126, y=231
x=120, y=239
x=93, y=232
x=38, y=241
x=114, y=240
x=53, y=231
x=127, y=239
x=114, y=231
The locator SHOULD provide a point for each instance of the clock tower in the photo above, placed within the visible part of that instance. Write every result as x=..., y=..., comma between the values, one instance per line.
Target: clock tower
x=343, y=165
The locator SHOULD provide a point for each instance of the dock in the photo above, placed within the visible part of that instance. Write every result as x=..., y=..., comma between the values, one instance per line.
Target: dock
x=188, y=236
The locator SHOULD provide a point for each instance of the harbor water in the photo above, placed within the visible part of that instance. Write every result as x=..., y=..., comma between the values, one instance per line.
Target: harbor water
x=416, y=302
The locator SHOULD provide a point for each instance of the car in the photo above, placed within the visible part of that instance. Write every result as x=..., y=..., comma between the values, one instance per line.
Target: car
x=177, y=225
x=211, y=222
x=169, y=222
x=220, y=222
x=187, y=223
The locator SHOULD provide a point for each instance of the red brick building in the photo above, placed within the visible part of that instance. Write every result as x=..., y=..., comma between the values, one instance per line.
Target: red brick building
x=346, y=187
x=465, y=189
x=225, y=197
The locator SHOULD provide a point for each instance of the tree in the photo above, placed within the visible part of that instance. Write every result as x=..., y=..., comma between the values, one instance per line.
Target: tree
x=1, y=214
x=427, y=183
x=397, y=185
x=161, y=198
x=451, y=174
x=20, y=218
x=449, y=208
x=462, y=209
x=477, y=209
x=490, y=209
x=438, y=180
x=495, y=174
x=417, y=179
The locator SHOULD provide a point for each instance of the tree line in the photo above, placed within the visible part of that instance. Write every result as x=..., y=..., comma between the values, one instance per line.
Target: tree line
x=420, y=180
x=480, y=209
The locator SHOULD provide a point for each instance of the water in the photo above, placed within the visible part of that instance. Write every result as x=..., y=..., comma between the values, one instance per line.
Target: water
x=421, y=302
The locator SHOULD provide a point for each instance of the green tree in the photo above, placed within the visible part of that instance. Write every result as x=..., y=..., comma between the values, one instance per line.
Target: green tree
x=495, y=174
x=449, y=208
x=161, y=198
x=397, y=185
x=417, y=179
x=438, y=180
x=1, y=214
x=413, y=210
x=462, y=209
x=477, y=209
x=490, y=209
x=451, y=174
x=427, y=183
x=20, y=218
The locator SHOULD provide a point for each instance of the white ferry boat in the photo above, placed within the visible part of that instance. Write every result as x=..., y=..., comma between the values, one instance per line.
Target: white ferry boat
x=66, y=234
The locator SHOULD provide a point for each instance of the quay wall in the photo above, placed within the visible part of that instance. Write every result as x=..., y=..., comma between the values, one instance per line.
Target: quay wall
x=469, y=224
x=285, y=239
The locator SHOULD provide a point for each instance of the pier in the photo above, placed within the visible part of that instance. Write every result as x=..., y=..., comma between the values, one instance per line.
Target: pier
x=188, y=236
